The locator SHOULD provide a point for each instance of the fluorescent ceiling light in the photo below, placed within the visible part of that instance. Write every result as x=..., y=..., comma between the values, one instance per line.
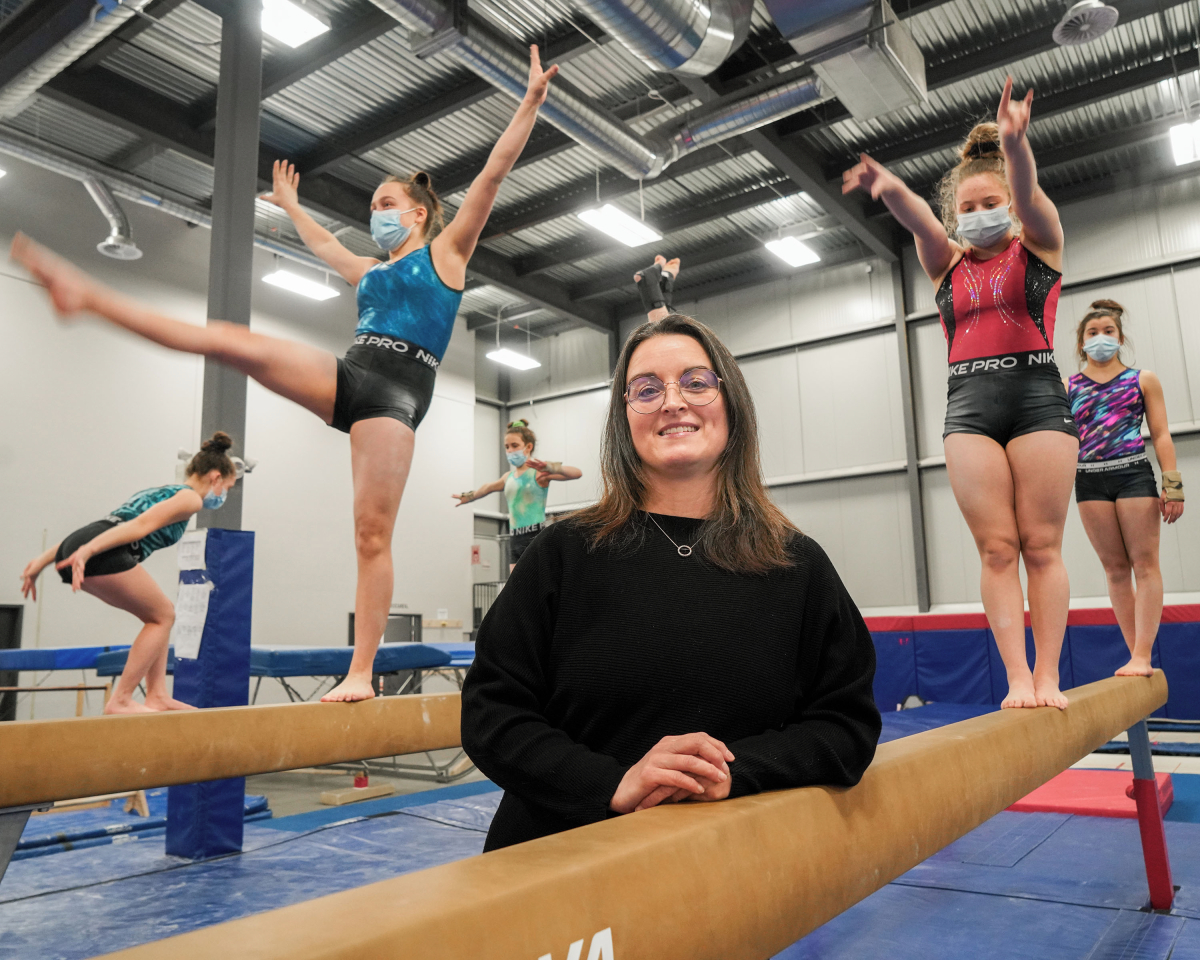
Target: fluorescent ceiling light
x=511, y=358
x=286, y=280
x=289, y=24
x=619, y=225
x=793, y=252
x=1185, y=147
x=3, y=172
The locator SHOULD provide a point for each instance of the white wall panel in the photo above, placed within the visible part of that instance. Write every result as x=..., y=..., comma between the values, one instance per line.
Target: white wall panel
x=576, y=358
x=774, y=383
x=1110, y=233
x=488, y=454
x=863, y=524
x=1187, y=300
x=927, y=352
x=1179, y=216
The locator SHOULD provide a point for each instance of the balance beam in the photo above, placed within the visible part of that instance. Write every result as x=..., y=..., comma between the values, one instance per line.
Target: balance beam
x=46, y=760
x=737, y=880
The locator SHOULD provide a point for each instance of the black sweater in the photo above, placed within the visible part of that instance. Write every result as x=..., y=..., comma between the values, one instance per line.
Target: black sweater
x=590, y=657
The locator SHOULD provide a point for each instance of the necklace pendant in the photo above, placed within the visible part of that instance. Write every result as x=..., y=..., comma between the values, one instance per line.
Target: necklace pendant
x=684, y=550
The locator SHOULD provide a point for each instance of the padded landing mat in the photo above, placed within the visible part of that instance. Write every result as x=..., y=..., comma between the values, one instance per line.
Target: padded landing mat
x=903, y=723
x=93, y=902
x=1092, y=793
x=1086, y=861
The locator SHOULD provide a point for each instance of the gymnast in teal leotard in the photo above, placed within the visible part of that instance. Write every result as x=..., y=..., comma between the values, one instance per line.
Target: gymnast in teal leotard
x=525, y=487
x=381, y=389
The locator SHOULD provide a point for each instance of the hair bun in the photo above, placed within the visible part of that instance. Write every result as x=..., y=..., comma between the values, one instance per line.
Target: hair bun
x=983, y=141
x=1110, y=306
x=421, y=179
x=219, y=442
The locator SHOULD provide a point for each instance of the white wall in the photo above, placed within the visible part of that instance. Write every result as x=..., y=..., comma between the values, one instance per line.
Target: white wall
x=93, y=414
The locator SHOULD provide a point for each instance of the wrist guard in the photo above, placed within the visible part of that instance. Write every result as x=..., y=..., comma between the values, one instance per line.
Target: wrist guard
x=554, y=466
x=468, y=496
x=650, y=288
x=1172, y=485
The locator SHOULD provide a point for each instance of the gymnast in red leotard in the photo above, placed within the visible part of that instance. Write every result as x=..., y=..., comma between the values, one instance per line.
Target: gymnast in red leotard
x=1011, y=442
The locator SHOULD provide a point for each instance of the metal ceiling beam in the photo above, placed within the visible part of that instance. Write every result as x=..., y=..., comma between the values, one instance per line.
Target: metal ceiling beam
x=697, y=212
x=764, y=274
x=550, y=294
x=36, y=29
x=691, y=257
x=1093, y=91
x=612, y=186
x=287, y=68
x=119, y=38
x=967, y=65
x=397, y=122
x=552, y=142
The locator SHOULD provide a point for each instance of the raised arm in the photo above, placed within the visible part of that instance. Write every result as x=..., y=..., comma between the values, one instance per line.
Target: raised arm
x=458, y=240
x=1160, y=436
x=179, y=507
x=349, y=266
x=480, y=492
x=548, y=470
x=935, y=249
x=1038, y=215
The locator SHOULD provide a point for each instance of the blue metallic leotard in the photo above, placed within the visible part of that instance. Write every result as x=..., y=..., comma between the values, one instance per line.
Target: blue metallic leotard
x=407, y=300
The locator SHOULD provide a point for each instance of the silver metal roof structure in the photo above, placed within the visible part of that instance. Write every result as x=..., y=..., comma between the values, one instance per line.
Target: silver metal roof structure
x=356, y=103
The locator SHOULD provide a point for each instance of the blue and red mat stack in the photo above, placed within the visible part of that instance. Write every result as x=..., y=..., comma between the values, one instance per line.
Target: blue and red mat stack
x=1022, y=885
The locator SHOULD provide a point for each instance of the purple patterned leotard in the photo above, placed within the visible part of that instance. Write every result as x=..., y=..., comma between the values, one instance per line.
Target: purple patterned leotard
x=1109, y=417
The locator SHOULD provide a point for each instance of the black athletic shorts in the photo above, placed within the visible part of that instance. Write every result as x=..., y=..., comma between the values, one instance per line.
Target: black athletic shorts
x=383, y=377
x=520, y=541
x=1008, y=405
x=1123, y=479
x=116, y=560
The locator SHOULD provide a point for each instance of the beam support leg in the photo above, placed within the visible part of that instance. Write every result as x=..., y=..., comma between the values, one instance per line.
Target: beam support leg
x=12, y=825
x=1150, y=819
x=231, y=248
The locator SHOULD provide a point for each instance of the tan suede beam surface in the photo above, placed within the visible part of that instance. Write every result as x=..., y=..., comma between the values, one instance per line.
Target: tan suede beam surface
x=738, y=880
x=83, y=757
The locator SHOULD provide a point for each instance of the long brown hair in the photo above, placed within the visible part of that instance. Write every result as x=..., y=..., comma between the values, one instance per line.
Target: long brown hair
x=1100, y=308
x=420, y=188
x=213, y=456
x=979, y=153
x=746, y=532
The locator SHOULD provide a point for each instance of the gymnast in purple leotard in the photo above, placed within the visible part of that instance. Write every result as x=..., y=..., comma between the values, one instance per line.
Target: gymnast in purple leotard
x=1118, y=499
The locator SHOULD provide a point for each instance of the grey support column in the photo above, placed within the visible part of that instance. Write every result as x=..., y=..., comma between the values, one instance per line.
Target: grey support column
x=912, y=454
x=231, y=247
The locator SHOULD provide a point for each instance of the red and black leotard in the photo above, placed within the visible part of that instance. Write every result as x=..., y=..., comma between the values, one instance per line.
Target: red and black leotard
x=998, y=316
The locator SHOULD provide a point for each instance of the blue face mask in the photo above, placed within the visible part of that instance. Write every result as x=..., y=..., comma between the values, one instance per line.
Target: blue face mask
x=516, y=458
x=215, y=501
x=1101, y=347
x=387, y=230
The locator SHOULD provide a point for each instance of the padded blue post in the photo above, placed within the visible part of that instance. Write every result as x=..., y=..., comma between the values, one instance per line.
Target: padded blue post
x=205, y=819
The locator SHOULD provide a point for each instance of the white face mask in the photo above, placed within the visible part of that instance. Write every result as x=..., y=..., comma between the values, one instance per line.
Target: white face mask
x=982, y=228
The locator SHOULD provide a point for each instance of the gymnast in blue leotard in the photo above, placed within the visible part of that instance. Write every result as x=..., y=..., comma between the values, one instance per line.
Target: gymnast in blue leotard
x=381, y=389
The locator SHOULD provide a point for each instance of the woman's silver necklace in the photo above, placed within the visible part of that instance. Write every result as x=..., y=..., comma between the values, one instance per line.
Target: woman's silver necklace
x=682, y=548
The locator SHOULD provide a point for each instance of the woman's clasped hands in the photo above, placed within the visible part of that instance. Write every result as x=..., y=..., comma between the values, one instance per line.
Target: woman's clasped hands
x=694, y=766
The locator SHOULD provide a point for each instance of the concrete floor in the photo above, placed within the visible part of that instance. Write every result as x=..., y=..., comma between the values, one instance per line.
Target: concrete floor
x=299, y=791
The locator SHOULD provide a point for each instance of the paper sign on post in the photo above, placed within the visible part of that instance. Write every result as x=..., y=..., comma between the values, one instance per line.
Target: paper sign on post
x=191, y=610
x=191, y=550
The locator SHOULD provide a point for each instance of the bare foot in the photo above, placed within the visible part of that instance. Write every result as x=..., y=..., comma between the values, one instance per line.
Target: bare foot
x=672, y=267
x=115, y=706
x=1020, y=694
x=1136, y=667
x=67, y=285
x=350, y=689
x=1048, y=694
x=158, y=704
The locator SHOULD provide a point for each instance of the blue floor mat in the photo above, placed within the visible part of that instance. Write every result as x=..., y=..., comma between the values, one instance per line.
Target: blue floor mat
x=904, y=723
x=101, y=906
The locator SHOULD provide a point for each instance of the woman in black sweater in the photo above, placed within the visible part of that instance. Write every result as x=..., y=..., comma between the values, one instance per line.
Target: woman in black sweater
x=680, y=640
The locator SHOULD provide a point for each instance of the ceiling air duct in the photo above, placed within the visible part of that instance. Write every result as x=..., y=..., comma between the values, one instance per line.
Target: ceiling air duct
x=686, y=37
x=119, y=244
x=859, y=48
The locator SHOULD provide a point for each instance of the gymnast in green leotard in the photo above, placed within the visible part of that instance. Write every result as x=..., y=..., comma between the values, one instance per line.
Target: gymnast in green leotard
x=525, y=487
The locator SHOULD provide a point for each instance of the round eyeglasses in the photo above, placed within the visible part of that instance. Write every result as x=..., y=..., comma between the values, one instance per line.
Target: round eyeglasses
x=697, y=387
